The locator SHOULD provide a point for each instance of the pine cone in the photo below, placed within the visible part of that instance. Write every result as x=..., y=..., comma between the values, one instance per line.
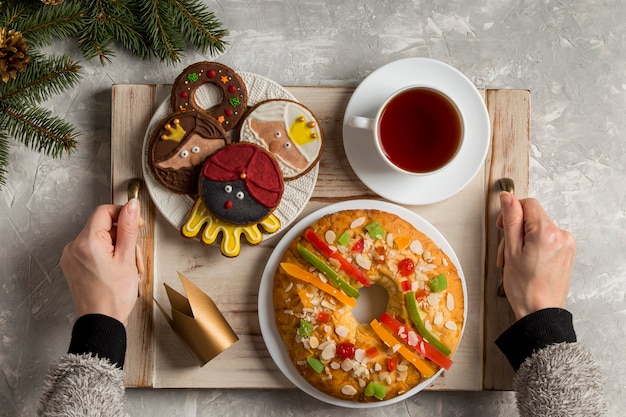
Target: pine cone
x=13, y=57
x=52, y=2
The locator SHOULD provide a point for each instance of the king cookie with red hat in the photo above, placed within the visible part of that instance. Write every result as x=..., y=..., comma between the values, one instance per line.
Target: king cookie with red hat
x=241, y=184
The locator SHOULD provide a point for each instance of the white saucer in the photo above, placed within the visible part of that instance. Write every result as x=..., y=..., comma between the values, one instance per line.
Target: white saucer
x=175, y=207
x=406, y=189
x=273, y=340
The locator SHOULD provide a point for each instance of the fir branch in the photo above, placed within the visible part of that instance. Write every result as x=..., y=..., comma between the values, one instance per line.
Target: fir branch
x=200, y=26
x=12, y=13
x=42, y=25
x=96, y=43
x=160, y=30
x=43, y=78
x=39, y=130
x=110, y=21
x=4, y=157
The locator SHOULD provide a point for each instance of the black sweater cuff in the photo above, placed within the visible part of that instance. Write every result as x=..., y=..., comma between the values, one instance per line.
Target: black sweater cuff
x=534, y=332
x=100, y=336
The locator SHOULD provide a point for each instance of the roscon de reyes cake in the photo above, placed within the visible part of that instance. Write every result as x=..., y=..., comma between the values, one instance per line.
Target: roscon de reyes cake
x=317, y=285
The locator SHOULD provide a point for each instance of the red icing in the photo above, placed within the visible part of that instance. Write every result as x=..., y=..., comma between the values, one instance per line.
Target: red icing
x=229, y=112
x=232, y=88
x=228, y=205
x=263, y=178
x=211, y=73
x=184, y=94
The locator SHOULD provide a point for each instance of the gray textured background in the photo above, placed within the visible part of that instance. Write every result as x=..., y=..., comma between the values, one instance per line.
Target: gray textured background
x=570, y=54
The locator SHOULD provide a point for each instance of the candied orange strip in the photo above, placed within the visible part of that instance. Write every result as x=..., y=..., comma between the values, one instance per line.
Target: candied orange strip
x=304, y=275
x=425, y=369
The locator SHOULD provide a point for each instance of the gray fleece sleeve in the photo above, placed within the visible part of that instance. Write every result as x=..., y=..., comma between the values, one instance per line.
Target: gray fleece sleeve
x=83, y=385
x=562, y=379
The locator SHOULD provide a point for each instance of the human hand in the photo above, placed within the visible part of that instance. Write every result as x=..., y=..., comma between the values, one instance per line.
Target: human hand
x=538, y=256
x=100, y=265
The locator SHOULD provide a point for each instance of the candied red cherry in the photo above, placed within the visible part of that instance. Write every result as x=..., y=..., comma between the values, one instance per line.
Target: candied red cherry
x=358, y=246
x=345, y=350
x=406, y=267
x=323, y=316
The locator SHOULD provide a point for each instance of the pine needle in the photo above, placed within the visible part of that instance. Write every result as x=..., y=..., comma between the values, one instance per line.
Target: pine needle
x=42, y=25
x=43, y=78
x=4, y=157
x=39, y=130
x=199, y=26
x=158, y=25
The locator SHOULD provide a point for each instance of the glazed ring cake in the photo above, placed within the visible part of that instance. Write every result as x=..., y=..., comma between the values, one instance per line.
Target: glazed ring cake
x=179, y=146
x=235, y=96
x=288, y=130
x=317, y=286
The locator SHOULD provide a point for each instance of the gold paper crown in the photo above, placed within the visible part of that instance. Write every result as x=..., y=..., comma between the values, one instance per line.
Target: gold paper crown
x=175, y=133
x=302, y=132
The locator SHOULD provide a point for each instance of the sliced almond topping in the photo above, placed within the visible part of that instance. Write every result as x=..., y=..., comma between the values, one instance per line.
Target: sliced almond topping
x=342, y=331
x=330, y=236
x=289, y=287
x=357, y=222
x=347, y=365
x=450, y=302
x=313, y=342
x=416, y=247
x=434, y=299
x=348, y=390
x=450, y=325
x=389, y=239
x=438, y=318
x=363, y=262
x=329, y=352
x=335, y=365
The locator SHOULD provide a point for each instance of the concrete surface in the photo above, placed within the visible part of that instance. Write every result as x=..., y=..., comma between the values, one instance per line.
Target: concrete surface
x=570, y=54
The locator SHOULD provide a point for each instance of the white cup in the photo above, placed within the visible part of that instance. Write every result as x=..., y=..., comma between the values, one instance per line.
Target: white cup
x=418, y=130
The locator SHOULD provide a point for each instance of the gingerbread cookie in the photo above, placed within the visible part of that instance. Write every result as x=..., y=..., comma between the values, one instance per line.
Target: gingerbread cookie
x=180, y=145
x=289, y=131
x=232, y=87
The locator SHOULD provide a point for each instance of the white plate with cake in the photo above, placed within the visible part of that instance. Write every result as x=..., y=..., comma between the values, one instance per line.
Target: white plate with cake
x=313, y=321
